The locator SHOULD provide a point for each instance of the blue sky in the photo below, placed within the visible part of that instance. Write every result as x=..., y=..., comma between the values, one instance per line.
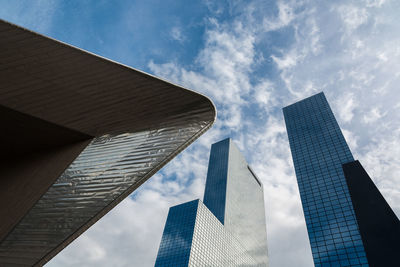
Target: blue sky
x=251, y=58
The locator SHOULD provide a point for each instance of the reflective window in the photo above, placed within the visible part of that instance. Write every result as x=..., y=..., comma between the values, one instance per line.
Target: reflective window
x=318, y=151
x=229, y=228
x=176, y=241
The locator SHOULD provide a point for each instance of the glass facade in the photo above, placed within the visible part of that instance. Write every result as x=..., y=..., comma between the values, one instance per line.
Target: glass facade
x=244, y=213
x=177, y=237
x=318, y=151
x=214, y=245
x=215, y=192
x=193, y=236
x=229, y=228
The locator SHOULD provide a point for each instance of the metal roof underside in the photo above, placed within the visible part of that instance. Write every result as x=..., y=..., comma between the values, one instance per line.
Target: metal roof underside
x=118, y=126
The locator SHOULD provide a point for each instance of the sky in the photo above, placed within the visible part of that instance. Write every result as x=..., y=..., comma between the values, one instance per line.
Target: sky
x=252, y=58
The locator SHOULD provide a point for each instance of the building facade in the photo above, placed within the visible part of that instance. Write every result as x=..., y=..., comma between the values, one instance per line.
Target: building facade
x=320, y=155
x=228, y=229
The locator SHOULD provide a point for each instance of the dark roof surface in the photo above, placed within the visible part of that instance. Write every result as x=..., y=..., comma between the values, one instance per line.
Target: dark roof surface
x=82, y=133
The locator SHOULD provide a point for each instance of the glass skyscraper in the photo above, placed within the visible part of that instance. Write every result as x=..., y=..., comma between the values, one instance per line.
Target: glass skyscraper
x=228, y=229
x=319, y=150
x=337, y=213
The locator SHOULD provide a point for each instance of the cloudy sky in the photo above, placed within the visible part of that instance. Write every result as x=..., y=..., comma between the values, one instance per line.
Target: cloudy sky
x=251, y=58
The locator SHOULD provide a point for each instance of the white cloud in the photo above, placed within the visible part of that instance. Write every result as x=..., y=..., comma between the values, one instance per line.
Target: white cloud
x=351, y=139
x=382, y=56
x=285, y=16
x=375, y=3
x=37, y=15
x=315, y=44
x=382, y=162
x=263, y=94
x=359, y=73
x=352, y=16
x=176, y=34
x=119, y=229
x=287, y=61
x=373, y=115
x=226, y=61
x=345, y=105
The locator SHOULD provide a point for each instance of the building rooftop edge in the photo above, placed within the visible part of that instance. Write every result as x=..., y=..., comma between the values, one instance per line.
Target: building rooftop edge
x=304, y=99
x=121, y=65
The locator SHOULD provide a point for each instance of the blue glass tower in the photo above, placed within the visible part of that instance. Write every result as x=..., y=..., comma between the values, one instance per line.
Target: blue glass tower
x=318, y=151
x=229, y=228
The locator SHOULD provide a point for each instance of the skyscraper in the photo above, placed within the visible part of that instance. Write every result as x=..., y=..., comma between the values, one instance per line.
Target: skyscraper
x=229, y=228
x=348, y=221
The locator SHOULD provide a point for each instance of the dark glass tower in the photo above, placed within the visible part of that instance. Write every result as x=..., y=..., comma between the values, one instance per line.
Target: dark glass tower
x=229, y=228
x=320, y=153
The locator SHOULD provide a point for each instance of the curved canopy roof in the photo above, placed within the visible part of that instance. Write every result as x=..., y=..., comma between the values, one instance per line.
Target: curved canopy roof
x=81, y=133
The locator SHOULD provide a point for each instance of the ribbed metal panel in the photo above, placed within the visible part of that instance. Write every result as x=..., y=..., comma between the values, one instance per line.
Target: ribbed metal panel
x=140, y=123
x=58, y=83
x=107, y=168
